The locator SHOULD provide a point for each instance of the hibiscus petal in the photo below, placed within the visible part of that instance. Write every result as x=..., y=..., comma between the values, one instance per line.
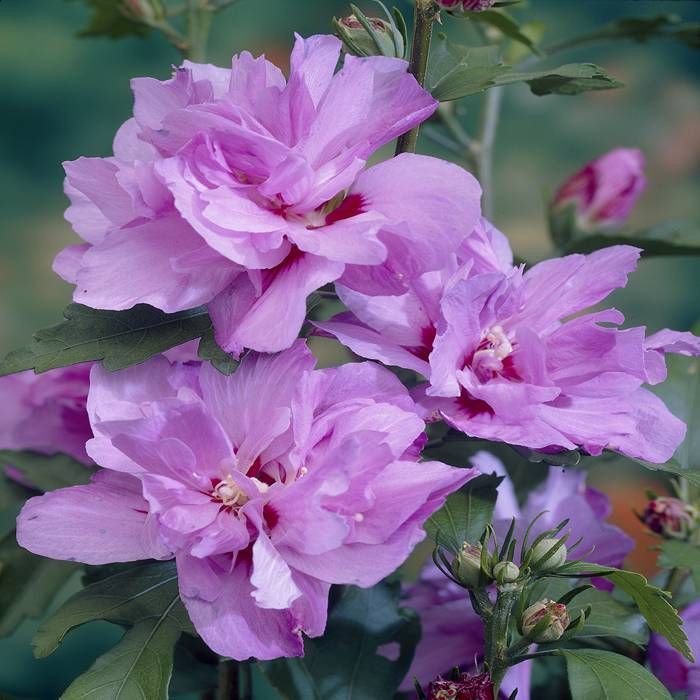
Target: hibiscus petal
x=100, y=523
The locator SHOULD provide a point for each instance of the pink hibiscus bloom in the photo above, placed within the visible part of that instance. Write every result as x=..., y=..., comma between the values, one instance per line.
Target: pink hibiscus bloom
x=245, y=192
x=266, y=486
x=511, y=356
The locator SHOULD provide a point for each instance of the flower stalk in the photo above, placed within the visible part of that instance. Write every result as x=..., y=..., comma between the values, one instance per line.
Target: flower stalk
x=424, y=16
x=498, y=634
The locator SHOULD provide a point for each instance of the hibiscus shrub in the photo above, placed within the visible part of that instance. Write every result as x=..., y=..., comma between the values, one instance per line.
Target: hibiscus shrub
x=251, y=521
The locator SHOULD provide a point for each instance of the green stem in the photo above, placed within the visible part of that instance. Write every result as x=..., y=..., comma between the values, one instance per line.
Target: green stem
x=199, y=14
x=446, y=113
x=424, y=16
x=227, y=687
x=489, y=128
x=498, y=636
x=675, y=581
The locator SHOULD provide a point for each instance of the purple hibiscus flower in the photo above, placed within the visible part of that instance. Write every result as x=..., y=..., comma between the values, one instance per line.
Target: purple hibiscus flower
x=515, y=355
x=677, y=673
x=246, y=192
x=266, y=486
x=453, y=634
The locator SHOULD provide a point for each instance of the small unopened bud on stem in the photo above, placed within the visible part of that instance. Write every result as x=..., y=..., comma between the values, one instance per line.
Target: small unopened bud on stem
x=545, y=621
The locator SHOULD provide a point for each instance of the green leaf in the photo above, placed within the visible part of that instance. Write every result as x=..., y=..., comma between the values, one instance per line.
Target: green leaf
x=210, y=350
x=118, y=338
x=595, y=674
x=681, y=393
x=107, y=20
x=345, y=664
x=145, y=598
x=505, y=24
x=460, y=72
x=133, y=595
x=642, y=29
x=139, y=666
x=683, y=555
x=47, y=472
x=652, y=602
x=670, y=238
x=28, y=584
x=466, y=513
x=569, y=79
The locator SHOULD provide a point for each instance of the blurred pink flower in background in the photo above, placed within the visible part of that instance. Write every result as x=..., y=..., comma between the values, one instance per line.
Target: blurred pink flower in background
x=605, y=190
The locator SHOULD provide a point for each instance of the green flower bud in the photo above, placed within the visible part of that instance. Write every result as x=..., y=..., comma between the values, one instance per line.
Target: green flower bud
x=383, y=40
x=467, y=565
x=540, y=550
x=557, y=615
x=506, y=572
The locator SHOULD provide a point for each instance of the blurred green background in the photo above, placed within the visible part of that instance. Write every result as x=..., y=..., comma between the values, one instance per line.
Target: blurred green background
x=64, y=97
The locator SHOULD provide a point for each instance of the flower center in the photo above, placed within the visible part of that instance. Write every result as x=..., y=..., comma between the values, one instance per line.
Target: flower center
x=229, y=493
x=492, y=355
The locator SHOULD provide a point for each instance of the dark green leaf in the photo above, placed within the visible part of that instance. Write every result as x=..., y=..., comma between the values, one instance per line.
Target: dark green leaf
x=569, y=79
x=28, y=584
x=210, y=350
x=118, y=338
x=136, y=594
x=466, y=513
x=671, y=467
x=670, y=238
x=345, y=664
x=642, y=29
x=683, y=555
x=144, y=597
x=461, y=71
x=652, y=602
x=107, y=20
x=506, y=25
x=46, y=472
x=139, y=666
x=595, y=674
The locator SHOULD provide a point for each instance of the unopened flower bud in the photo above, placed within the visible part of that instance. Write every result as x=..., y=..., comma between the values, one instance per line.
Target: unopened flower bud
x=670, y=517
x=384, y=40
x=558, y=617
x=467, y=565
x=604, y=192
x=142, y=10
x=506, y=572
x=540, y=550
x=465, y=5
x=465, y=687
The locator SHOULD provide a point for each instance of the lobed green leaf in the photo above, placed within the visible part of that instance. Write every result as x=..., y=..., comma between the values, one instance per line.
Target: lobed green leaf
x=595, y=674
x=117, y=338
x=652, y=602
